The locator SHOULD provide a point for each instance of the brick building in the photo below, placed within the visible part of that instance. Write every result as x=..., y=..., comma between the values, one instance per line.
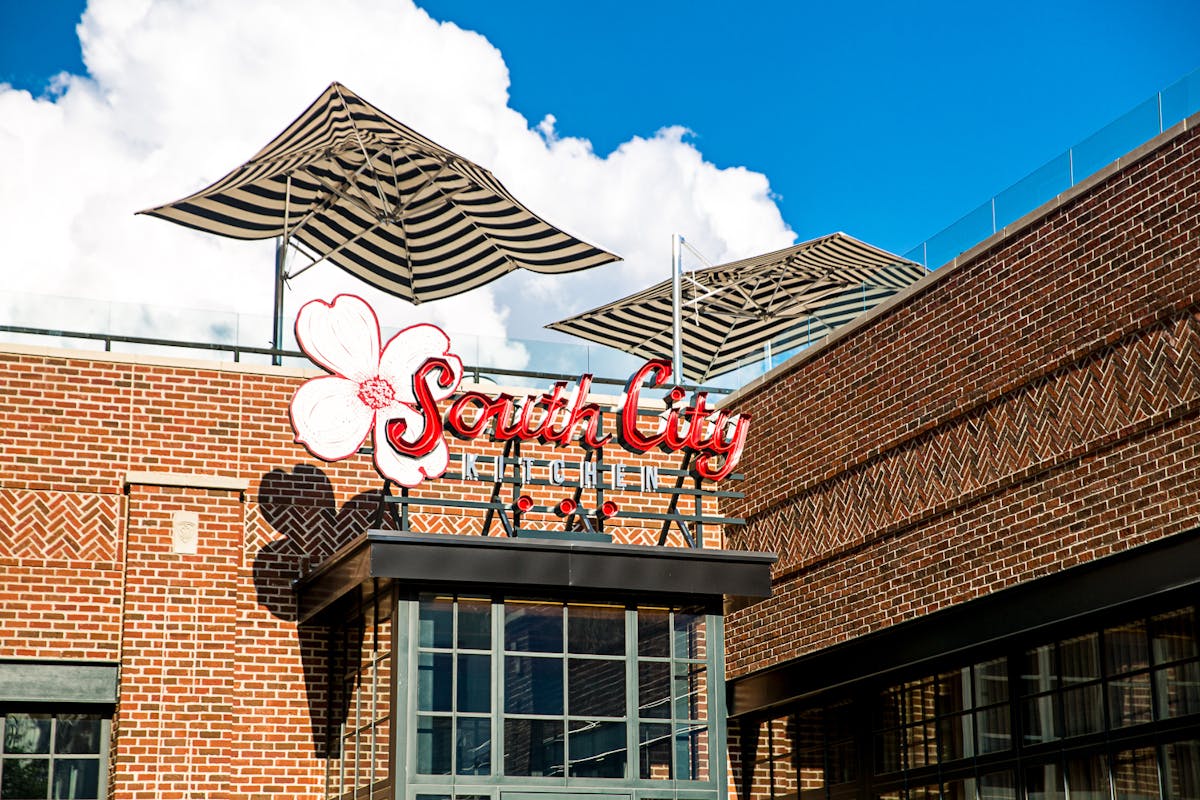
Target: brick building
x=982, y=496
x=984, y=501
x=189, y=606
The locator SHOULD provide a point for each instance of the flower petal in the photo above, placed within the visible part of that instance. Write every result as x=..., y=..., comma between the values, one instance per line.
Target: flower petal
x=329, y=419
x=404, y=354
x=406, y=470
x=342, y=336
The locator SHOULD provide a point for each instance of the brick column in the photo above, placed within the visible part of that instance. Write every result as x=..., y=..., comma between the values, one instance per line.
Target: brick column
x=173, y=728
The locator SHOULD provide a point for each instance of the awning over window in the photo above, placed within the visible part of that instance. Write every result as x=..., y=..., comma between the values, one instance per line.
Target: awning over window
x=501, y=563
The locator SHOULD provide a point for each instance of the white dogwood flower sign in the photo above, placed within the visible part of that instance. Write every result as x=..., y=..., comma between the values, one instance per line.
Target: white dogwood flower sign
x=373, y=391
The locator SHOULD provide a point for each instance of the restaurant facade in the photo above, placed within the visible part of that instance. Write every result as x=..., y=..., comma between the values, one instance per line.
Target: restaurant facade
x=957, y=556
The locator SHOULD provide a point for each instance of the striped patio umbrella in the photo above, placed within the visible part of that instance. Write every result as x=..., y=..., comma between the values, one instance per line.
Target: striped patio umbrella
x=348, y=184
x=731, y=312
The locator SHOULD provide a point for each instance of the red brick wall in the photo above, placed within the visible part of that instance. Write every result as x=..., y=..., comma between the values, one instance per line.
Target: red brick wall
x=220, y=694
x=1031, y=409
x=180, y=681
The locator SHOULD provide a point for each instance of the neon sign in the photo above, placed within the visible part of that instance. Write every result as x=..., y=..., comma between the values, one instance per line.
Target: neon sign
x=393, y=392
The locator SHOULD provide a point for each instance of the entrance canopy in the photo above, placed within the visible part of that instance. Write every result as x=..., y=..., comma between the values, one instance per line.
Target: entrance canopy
x=491, y=563
x=730, y=312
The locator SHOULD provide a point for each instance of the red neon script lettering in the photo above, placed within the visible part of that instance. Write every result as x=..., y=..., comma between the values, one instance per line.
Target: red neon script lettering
x=427, y=406
x=686, y=429
x=716, y=437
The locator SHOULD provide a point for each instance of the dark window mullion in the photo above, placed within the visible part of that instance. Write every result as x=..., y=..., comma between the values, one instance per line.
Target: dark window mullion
x=453, y=685
x=566, y=690
x=50, y=749
x=633, y=724
x=1106, y=717
x=1016, y=722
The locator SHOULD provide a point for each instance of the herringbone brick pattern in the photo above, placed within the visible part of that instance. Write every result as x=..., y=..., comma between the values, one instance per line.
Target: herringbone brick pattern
x=305, y=530
x=453, y=525
x=58, y=525
x=1108, y=394
x=317, y=532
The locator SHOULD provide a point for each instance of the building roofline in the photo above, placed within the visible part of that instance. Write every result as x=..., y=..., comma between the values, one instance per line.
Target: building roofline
x=962, y=259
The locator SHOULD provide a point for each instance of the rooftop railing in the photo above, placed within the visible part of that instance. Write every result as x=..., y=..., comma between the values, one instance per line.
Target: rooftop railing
x=1145, y=121
x=144, y=329
x=229, y=336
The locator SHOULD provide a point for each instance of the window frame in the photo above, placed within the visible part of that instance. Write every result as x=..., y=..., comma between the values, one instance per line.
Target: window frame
x=410, y=783
x=54, y=711
x=1116, y=745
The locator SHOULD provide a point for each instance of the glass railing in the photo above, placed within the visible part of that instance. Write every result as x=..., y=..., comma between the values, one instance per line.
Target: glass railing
x=137, y=328
x=1145, y=121
x=141, y=328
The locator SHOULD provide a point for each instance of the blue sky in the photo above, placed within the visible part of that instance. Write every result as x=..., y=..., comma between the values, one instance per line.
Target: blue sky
x=887, y=121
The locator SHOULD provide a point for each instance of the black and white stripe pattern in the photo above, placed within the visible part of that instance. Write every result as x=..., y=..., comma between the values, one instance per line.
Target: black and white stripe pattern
x=730, y=311
x=350, y=184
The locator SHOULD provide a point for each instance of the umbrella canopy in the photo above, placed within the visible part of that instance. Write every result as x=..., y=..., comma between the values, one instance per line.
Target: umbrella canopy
x=731, y=311
x=347, y=183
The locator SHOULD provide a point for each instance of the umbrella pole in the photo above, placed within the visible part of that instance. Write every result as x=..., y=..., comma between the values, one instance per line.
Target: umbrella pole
x=277, y=319
x=676, y=314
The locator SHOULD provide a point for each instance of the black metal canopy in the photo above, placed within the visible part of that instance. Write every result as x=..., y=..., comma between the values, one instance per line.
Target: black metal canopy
x=489, y=563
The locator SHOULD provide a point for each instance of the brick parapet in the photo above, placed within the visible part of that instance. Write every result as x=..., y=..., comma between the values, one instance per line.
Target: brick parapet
x=1033, y=408
x=1106, y=265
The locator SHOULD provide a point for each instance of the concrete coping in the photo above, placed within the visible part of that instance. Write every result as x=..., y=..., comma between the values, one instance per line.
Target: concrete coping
x=187, y=480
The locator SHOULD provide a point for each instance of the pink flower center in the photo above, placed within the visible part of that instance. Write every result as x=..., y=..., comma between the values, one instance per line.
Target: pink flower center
x=376, y=393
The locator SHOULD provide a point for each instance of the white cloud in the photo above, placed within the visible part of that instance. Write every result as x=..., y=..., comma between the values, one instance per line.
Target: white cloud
x=180, y=92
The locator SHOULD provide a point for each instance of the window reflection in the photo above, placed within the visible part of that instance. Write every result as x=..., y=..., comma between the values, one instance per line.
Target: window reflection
x=654, y=751
x=533, y=627
x=654, y=625
x=595, y=687
x=597, y=749
x=564, y=704
x=598, y=630
x=1087, y=778
x=474, y=624
x=690, y=640
x=1181, y=770
x=533, y=685
x=533, y=747
x=1043, y=782
x=1135, y=774
x=1089, y=707
x=27, y=733
x=24, y=778
x=473, y=746
x=654, y=689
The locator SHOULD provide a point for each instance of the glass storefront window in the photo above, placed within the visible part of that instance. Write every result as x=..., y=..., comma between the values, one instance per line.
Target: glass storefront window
x=514, y=691
x=360, y=685
x=454, y=685
x=1181, y=770
x=1107, y=713
x=943, y=718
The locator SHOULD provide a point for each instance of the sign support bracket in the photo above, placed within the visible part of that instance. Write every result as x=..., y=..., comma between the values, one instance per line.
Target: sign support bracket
x=673, y=508
x=386, y=492
x=498, y=487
